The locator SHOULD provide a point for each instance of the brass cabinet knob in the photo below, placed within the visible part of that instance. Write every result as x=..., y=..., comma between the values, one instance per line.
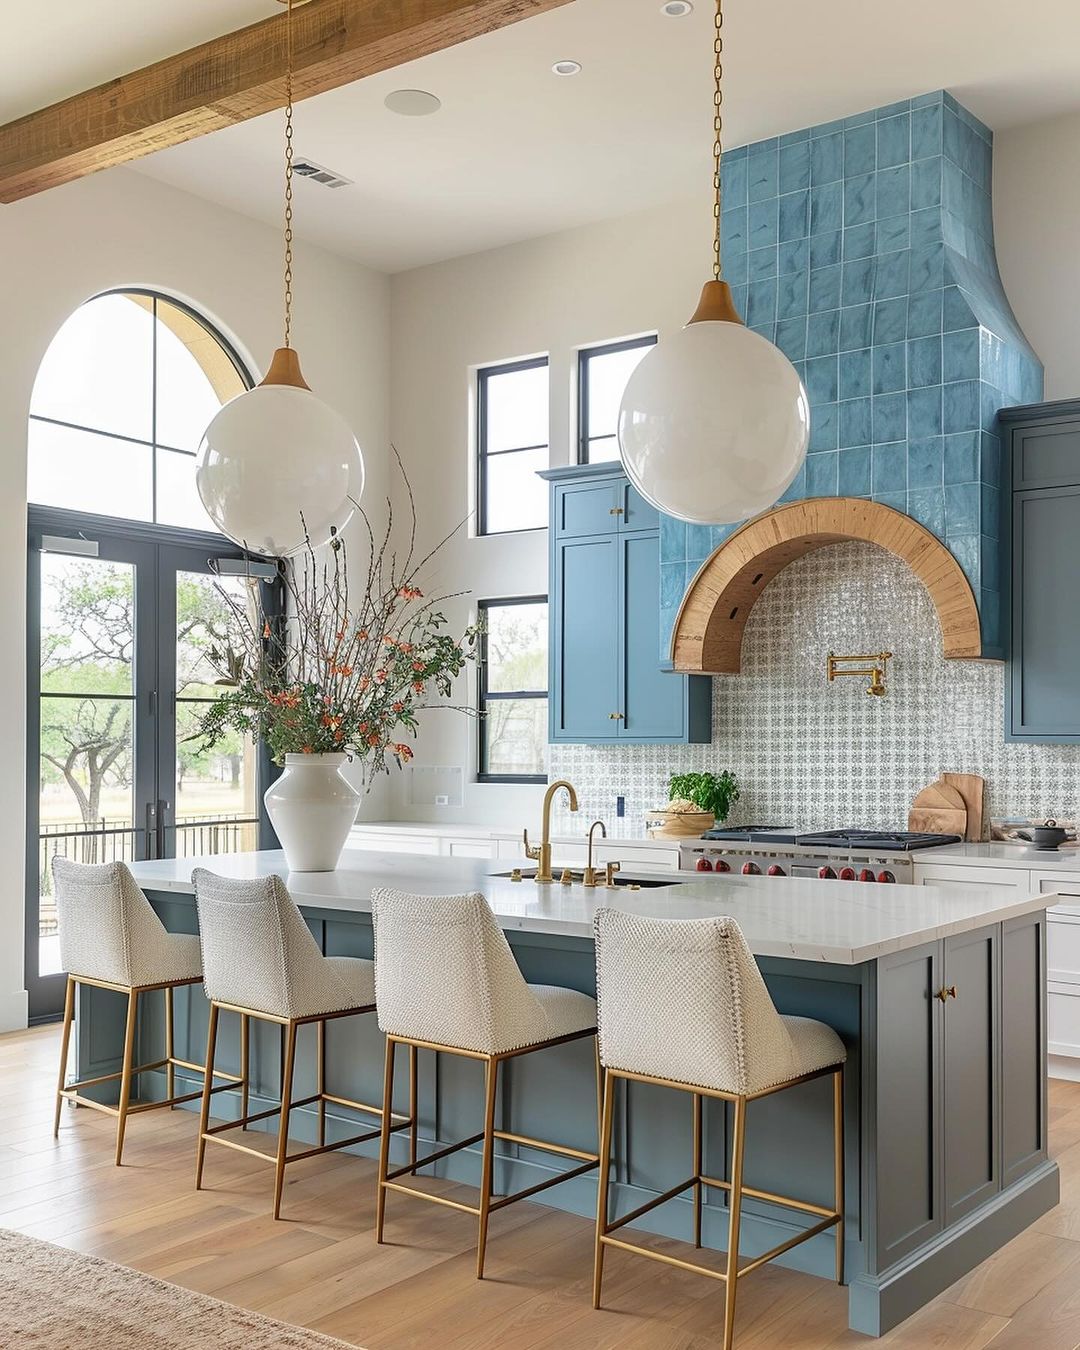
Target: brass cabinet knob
x=946, y=993
x=614, y=717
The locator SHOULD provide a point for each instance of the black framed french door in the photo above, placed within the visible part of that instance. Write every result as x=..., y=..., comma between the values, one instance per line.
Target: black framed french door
x=127, y=631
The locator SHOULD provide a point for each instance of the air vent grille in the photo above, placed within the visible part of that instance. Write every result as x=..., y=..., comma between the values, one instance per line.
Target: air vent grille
x=317, y=173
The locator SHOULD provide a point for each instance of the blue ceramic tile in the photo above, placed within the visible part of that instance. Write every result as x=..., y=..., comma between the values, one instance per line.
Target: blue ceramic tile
x=894, y=233
x=960, y=355
x=890, y=320
x=792, y=294
x=965, y=549
x=733, y=181
x=891, y=274
x=855, y=424
x=826, y=207
x=855, y=373
x=926, y=462
x=760, y=263
x=762, y=223
x=761, y=302
x=927, y=268
x=854, y=475
x=827, y=128
x=991, y=572
x=960, y=406
x=822, y=380
x=672, y=539
x=825, y=248
x=795, y=166
x=962, y=457
x=893, y=140
x=893, y=191
x=925, y=226
x=766, y=328
x=827, y=159
x=734, y=234
x=797, y=490
x=793, y=256
x=794, y=137
x=889, y=468
x=698, y=542
x=825, y=288
x=890, y=367
x=738, y=297
x=891, y=109
x=897, y=500
x=791, y=338
x=926, y=131
x=794, y=220
x=924, y=361
x=857, y=286
x=890, y=418
x=822, y=474
x=860, y=241
x=859, y=199
x=762, y=180
x=934, y=99
x=855, y=326
x=924, y=412
x=736, y=268
x=962, y=508
x=822, y=331
x=989, y=510
x=989, y=458
x=924, y=314
x=927, y=505
x=672, y=588
x=926, y=183
x=824, y=427
x=860, y=150
x=859, y=119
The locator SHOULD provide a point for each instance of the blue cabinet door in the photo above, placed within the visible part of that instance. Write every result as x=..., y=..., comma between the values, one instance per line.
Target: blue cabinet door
x=585, y=640
x=654, y=704
x=587, y=508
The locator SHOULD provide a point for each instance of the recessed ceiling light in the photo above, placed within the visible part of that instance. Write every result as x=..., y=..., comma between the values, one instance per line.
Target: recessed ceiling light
x=676, y=9
x=412, y=102
x=567, y=67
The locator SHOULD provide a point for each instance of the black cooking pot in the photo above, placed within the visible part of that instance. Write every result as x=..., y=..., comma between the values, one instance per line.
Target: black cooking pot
x=1048, y=835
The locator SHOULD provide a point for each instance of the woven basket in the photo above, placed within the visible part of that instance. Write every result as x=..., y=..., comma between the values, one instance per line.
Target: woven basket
x=678, y=824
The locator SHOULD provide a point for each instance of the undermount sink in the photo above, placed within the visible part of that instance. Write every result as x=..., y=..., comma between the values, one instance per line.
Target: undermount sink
x=646, y=883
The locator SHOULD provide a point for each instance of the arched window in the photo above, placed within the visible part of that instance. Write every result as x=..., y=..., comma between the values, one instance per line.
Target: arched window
x=120, y=403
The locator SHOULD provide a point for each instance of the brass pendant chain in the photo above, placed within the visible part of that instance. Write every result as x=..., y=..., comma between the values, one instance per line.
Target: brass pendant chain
x=288, y=169
x=718, y=127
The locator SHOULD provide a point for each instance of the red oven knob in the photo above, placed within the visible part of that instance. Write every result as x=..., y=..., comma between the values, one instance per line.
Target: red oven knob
x=751, y=869
x=885, y=876
x=866, y=874
x=704, y=865
x=721, y=866
x=776, y=871
x=847, y=874
x=826, y=874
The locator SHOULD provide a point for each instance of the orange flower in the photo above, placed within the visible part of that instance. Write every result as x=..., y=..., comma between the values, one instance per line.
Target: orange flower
x=307, y=750
x=390, y=641
x=418, y=665
x=380, y=677
x=403, y=752
x=364, y=682
x=363, y=727
x=406, y=647
x=398, y=707
x=418, y=686
x=373, y=739
x=362, y=634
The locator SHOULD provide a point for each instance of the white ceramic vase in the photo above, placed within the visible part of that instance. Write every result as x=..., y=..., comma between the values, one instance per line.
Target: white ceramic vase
x=312, y=807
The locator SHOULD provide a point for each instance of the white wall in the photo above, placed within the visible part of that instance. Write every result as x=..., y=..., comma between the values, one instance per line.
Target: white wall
x=121, y=228
x=1037, y=229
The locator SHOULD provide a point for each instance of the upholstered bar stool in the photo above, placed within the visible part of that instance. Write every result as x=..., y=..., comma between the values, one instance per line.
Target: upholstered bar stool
x=261, y=961
x=110, y=938
x=446, y=981
x=682, y=1004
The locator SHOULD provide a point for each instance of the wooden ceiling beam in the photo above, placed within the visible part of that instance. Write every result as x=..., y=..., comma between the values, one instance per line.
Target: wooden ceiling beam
x=233, y=78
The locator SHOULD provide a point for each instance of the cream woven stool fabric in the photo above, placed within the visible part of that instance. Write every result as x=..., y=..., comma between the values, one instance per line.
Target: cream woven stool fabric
x=109, y=931
x=258, y=952
x=685, y=1000
x=444, y=973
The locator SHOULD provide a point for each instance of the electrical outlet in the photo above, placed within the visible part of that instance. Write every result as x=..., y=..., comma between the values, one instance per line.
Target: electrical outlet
x=441, y=799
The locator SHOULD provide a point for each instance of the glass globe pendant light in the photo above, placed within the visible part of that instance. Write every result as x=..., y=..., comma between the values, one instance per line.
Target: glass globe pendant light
x=277, y=466
x=714, y=421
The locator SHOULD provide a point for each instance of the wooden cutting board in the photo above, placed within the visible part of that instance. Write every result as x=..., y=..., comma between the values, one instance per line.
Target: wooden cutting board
x=972, y=787
x=938, y=809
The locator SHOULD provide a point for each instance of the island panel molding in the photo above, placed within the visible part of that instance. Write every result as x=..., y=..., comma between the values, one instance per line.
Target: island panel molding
x=233, y=78
x=712, y=618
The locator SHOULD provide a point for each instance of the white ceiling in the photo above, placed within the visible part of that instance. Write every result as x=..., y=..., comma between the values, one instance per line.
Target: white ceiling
x=518, y=152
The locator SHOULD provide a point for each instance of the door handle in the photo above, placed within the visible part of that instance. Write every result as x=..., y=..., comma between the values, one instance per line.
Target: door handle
x=946, y=993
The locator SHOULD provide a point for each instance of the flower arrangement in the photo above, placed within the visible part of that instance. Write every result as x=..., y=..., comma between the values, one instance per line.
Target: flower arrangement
x=339, y=671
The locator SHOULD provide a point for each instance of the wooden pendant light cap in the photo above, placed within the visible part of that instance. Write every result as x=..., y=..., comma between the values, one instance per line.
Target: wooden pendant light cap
x=716, y=305
x=285, y=369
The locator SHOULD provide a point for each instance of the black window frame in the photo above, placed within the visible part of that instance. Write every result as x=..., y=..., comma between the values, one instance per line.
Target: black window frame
x=585, y=355
x=483, y=375
x=485, y=695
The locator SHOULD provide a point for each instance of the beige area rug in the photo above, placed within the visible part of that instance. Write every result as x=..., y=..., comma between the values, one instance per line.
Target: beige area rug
x=55, y=1299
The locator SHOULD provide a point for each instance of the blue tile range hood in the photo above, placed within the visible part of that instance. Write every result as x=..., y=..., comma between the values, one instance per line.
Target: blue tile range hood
x=864, y=248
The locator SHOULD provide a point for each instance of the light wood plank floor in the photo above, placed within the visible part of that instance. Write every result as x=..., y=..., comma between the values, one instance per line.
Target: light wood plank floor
x=320, y=1267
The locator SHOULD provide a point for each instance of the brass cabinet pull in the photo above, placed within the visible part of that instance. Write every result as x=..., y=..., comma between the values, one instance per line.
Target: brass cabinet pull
x=615, y=511
x=945, y=994
x=614, y=717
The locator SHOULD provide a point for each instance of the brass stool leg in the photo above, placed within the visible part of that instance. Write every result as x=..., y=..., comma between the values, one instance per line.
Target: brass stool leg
x=65, y=1041
x=125, y=1076
x=696, y=1108
x=731, y=1284
x=838, y=1168
x=283, y=1127
x=487, y=1167
x=320, y=1081
x=414, y=1124
x=245, y=1060
x=602, y=1190
x=384, y=1139
x=170, y=1070
x=208, y=1082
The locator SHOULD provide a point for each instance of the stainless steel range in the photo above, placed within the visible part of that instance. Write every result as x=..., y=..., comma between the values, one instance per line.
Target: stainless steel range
x=847, y=855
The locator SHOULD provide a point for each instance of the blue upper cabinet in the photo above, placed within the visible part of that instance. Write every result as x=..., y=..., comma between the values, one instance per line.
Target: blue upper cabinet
x=1043, y=692
x=607, y=684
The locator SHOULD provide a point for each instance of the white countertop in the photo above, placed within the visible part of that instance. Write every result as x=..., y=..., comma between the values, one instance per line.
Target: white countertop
x=1027, y=857
x=625, y=832
x=839, y=922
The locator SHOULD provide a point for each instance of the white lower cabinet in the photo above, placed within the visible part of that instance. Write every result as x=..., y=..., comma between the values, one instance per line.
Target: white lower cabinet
x=998, y=879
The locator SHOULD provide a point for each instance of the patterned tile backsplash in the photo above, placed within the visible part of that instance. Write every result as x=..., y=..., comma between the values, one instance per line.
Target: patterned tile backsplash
x=816, y=755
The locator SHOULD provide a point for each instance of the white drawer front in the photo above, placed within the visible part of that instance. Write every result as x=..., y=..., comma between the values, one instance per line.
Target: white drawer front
x=470, y=848
x=395, y=843
x=1063, y=1023
x=1063, y=948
